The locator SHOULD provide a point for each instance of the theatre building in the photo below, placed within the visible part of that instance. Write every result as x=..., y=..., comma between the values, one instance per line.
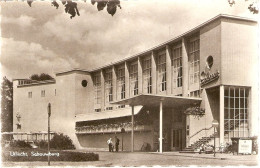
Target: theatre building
x=166, y=96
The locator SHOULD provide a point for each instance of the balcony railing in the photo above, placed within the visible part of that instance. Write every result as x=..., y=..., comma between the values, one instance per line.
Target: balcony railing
x=96, y=130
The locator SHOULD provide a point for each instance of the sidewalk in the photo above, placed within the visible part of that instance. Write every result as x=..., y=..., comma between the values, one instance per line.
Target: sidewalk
x=220, y=156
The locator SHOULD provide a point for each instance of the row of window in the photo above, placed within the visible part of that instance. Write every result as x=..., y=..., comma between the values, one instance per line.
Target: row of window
x=176, y=72
x=42, y=93
x=109, y=108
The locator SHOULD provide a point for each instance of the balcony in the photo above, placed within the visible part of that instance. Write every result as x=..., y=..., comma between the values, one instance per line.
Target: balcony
x=103, y=130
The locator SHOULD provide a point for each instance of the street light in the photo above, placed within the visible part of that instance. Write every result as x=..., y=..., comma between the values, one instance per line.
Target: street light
x=215, y=124
x=49, y=115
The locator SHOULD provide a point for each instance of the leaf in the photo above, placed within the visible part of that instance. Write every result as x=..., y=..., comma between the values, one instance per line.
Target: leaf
x=54, y=3
x=101, y=5
x=111, y=7
x=63, y=2
x=71, y=8
x=93, y=2
x=29, y=2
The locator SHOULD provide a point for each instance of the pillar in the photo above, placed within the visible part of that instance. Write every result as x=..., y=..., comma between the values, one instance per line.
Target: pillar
x=161, y=127
x=140, y=76
x=185, y=69
x=168, y=71
x=221, y=115
x=103, y=97
x=132, y=131
x=154, y=83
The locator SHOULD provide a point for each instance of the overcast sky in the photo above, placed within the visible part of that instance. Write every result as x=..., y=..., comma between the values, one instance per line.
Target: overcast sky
x=43, y=39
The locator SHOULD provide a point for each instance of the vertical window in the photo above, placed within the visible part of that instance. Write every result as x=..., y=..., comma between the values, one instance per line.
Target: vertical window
x=194, y=55
x=121, y=81
x=177, y=66
x=43, y=93
x=97, y=86
x=195, y=93
x=133, y=75
x=161, y=65
x=29, y=94
x=236, y=112
x=147, y=75
x=108, y=85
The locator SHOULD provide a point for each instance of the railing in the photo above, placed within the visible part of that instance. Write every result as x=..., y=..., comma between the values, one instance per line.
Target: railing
x=205, y=132
x=89, y=130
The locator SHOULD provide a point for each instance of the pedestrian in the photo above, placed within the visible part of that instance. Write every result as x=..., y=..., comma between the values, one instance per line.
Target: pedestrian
x=110, y=145
x=117, y=143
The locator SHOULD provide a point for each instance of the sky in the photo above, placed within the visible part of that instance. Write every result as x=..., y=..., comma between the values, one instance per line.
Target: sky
x=43, y=39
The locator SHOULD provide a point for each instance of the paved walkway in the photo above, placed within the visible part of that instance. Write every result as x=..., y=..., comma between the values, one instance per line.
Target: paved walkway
x=221, y=156
x=152, y=159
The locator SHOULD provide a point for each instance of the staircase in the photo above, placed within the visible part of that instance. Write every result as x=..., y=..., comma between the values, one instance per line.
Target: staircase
x=202, y=139
x=197, y=144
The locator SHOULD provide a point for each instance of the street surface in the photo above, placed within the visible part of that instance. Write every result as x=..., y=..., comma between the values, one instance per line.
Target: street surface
x=108, y=159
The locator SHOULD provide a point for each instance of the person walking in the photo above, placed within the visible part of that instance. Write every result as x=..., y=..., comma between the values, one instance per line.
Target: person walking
x=117, y=143
x=110, y=144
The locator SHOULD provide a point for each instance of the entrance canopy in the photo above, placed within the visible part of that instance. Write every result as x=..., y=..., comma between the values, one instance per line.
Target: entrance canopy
x=153, y=100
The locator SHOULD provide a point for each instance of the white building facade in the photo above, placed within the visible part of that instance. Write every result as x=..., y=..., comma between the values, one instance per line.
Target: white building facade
x=171, y=93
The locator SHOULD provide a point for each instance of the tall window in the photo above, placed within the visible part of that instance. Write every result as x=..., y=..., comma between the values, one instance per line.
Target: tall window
x=133, y=75
x=108, y=85
x=43, y=93
x=195, y=93
x=121, y=81
x=194, y=55
x=161, y=65
x=29, y=94
x=147, y=74
x=97, y=86
x=177, y=66
x=236, y=112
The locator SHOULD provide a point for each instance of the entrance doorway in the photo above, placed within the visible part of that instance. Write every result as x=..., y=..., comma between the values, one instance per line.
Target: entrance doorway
x=176, y=143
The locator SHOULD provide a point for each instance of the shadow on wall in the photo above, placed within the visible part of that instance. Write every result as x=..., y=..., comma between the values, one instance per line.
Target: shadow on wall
x=213, y=97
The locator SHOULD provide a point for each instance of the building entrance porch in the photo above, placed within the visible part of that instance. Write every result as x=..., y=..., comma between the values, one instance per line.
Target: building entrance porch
x=160, y=102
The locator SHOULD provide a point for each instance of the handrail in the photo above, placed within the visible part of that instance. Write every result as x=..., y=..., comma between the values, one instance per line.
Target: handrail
x=203, y=129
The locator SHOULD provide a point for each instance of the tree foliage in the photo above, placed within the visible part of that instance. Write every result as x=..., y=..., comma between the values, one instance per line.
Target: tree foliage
x=252, y=7
x=7, y=105
x=72, y=9
x=41, y=77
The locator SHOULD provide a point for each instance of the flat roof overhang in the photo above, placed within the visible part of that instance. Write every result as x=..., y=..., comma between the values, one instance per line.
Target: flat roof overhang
x=153, y=100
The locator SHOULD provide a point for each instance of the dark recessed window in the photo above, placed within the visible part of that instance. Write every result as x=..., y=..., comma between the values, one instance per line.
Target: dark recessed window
x=210, y=61
x=84, y=83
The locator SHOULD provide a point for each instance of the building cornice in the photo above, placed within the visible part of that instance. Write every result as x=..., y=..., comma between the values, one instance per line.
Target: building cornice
x=175, y=39
x=76, y=70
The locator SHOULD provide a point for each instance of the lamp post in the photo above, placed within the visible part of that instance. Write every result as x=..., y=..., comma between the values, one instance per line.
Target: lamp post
x=215, y=124
x=49, y=114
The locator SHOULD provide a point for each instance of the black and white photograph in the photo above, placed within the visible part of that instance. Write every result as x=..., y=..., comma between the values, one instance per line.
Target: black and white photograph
x=129, y=83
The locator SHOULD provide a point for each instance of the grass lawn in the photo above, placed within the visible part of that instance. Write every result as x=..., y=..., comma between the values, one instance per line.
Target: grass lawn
x=29, y=154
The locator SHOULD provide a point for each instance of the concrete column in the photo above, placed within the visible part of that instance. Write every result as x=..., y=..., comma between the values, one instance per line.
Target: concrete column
x=154, y=78
x=114, y=83
x=127, y=85
x=132, y=131
x=140, y=76
x=221, y=115
x=102, y=80
x=161, y=127
x=168, y=71
x=185, y=68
